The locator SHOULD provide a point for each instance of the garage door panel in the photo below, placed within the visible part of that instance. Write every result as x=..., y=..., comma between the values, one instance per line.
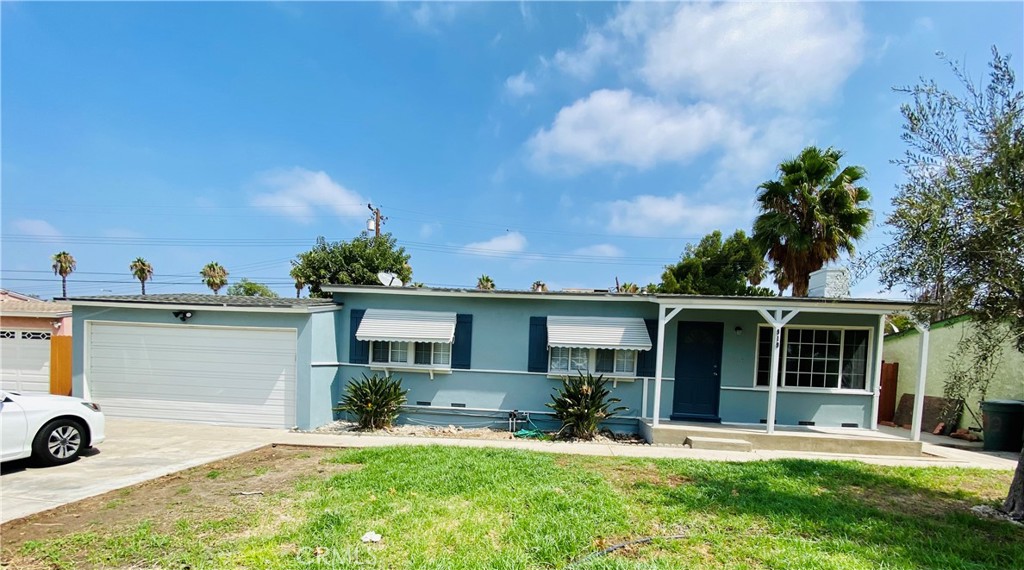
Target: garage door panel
x=224, y=375
x=239, y=414
x=184, y=371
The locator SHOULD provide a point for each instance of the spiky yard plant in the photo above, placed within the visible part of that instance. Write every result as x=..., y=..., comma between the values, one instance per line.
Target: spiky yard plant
x=581, y=404
x=374, y=400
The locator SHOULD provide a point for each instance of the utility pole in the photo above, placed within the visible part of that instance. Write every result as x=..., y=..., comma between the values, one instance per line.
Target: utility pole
x=377, y=220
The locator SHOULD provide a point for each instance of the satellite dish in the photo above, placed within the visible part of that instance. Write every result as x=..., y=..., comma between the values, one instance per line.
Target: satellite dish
x=389, y=279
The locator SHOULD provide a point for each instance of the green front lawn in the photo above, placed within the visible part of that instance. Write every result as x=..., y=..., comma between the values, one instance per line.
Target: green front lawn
x=453, y=508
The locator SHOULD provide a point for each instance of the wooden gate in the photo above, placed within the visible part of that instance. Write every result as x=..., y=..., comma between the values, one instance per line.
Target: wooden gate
x=887, y=399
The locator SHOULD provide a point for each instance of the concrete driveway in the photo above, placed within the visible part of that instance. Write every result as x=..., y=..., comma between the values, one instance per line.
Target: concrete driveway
x=135, y=451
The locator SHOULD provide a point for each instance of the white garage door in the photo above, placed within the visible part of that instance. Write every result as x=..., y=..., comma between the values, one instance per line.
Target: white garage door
x=25, y=360
x=222, y=375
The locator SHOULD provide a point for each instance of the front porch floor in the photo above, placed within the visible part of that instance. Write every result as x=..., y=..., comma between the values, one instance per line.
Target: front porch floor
x=847, y=441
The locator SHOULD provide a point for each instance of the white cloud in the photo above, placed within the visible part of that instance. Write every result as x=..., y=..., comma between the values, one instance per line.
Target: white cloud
x=595, y=48
x=429, y=229
x=701, y=77
x=782, y=55
x=35, y=228
x=618, y=127
x=600, y=250
x=519, y=85
x=431, y=15
x=301, y=194
x=511, y=242
x=673, y=215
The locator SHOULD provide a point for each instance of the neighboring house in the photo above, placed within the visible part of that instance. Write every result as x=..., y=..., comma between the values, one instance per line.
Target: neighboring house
x=470, y=357
x=35, y=344
x=903, y=347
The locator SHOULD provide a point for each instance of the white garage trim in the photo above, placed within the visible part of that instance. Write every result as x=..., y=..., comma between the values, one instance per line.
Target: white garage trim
x=25, y=360
x=236, y=375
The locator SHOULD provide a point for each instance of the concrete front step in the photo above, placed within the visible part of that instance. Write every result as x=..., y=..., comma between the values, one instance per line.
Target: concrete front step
x=718, y=443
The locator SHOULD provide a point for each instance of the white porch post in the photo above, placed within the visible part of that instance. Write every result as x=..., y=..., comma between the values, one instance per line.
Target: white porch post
x=663, y=319
x=643, y=398
x=777, y=321
x=922, y=375
x=877, y=389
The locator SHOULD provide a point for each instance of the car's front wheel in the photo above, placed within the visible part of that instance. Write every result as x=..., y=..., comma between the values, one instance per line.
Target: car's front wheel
x=59, y=442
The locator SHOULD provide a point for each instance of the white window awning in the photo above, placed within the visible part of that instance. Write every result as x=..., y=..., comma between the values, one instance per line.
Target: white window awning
x=406, y=326
x=598, y=332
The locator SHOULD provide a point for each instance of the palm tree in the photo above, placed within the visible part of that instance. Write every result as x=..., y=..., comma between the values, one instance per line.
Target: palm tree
x=142, y=271
x=539, y=286
x=63, y=265
x=214, y=275
x=814, y=211
x=485, y=283
x=299, y=281
x=628, y=287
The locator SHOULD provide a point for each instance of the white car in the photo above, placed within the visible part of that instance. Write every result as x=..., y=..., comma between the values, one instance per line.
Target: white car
x=52, y=429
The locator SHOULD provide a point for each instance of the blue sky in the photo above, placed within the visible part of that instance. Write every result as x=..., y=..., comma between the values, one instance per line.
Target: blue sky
x=572, y=143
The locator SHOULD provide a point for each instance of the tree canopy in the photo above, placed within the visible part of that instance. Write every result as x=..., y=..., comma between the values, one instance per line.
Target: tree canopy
x=813, y=212
x=715, y=267
x=141, y=270
x=246, y=288
x=355, y=262
x=214, y=275
x=63, y=264
x=957, y=228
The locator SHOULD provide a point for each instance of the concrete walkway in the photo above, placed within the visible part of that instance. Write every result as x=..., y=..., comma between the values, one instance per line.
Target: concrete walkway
x=137, y=451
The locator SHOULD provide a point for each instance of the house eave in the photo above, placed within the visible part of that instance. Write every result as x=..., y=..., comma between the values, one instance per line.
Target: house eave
x=205, y=307
x=804, y=304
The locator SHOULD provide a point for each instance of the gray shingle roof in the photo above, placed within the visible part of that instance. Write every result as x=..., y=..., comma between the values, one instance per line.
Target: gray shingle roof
x=210, y=300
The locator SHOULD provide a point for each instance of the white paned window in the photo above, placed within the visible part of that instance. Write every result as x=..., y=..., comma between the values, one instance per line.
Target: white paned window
x=412, y=354
x=600, y=360
x=559, y=359
x=399, y=352
x=815, y=358
x=35, y=336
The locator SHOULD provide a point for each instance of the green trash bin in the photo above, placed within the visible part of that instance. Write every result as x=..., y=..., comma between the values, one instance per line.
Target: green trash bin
x=1003, y=424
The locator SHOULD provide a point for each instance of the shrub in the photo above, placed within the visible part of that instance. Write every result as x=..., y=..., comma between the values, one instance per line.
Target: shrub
x=582, y=404
x=374, y=400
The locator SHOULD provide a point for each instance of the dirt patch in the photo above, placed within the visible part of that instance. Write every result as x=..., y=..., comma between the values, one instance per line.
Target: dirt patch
x=229, y=487
x=459, y=432
x=625, y=476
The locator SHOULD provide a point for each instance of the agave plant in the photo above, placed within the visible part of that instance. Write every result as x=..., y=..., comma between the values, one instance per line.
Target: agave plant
x=375, y=400
x=582, y=404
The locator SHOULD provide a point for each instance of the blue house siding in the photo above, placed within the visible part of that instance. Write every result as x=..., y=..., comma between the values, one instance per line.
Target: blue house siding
x=498, y=379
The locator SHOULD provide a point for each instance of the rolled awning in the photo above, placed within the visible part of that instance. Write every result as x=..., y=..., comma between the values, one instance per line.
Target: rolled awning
x=406, y=326
x=598, y=332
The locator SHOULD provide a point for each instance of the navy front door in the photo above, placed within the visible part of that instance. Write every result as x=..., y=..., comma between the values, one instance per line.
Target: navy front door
x=698, y=372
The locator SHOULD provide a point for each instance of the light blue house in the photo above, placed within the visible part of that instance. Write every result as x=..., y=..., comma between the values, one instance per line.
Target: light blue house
x=470, y=357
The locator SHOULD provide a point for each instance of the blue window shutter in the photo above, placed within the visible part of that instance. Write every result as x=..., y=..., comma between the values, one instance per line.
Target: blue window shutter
x=358, y=350
x=538, y=345
x=647, y=360
x=462, y=346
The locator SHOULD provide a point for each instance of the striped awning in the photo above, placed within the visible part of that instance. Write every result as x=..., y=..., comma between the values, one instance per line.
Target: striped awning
x=598, y=332
x=406, y=326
